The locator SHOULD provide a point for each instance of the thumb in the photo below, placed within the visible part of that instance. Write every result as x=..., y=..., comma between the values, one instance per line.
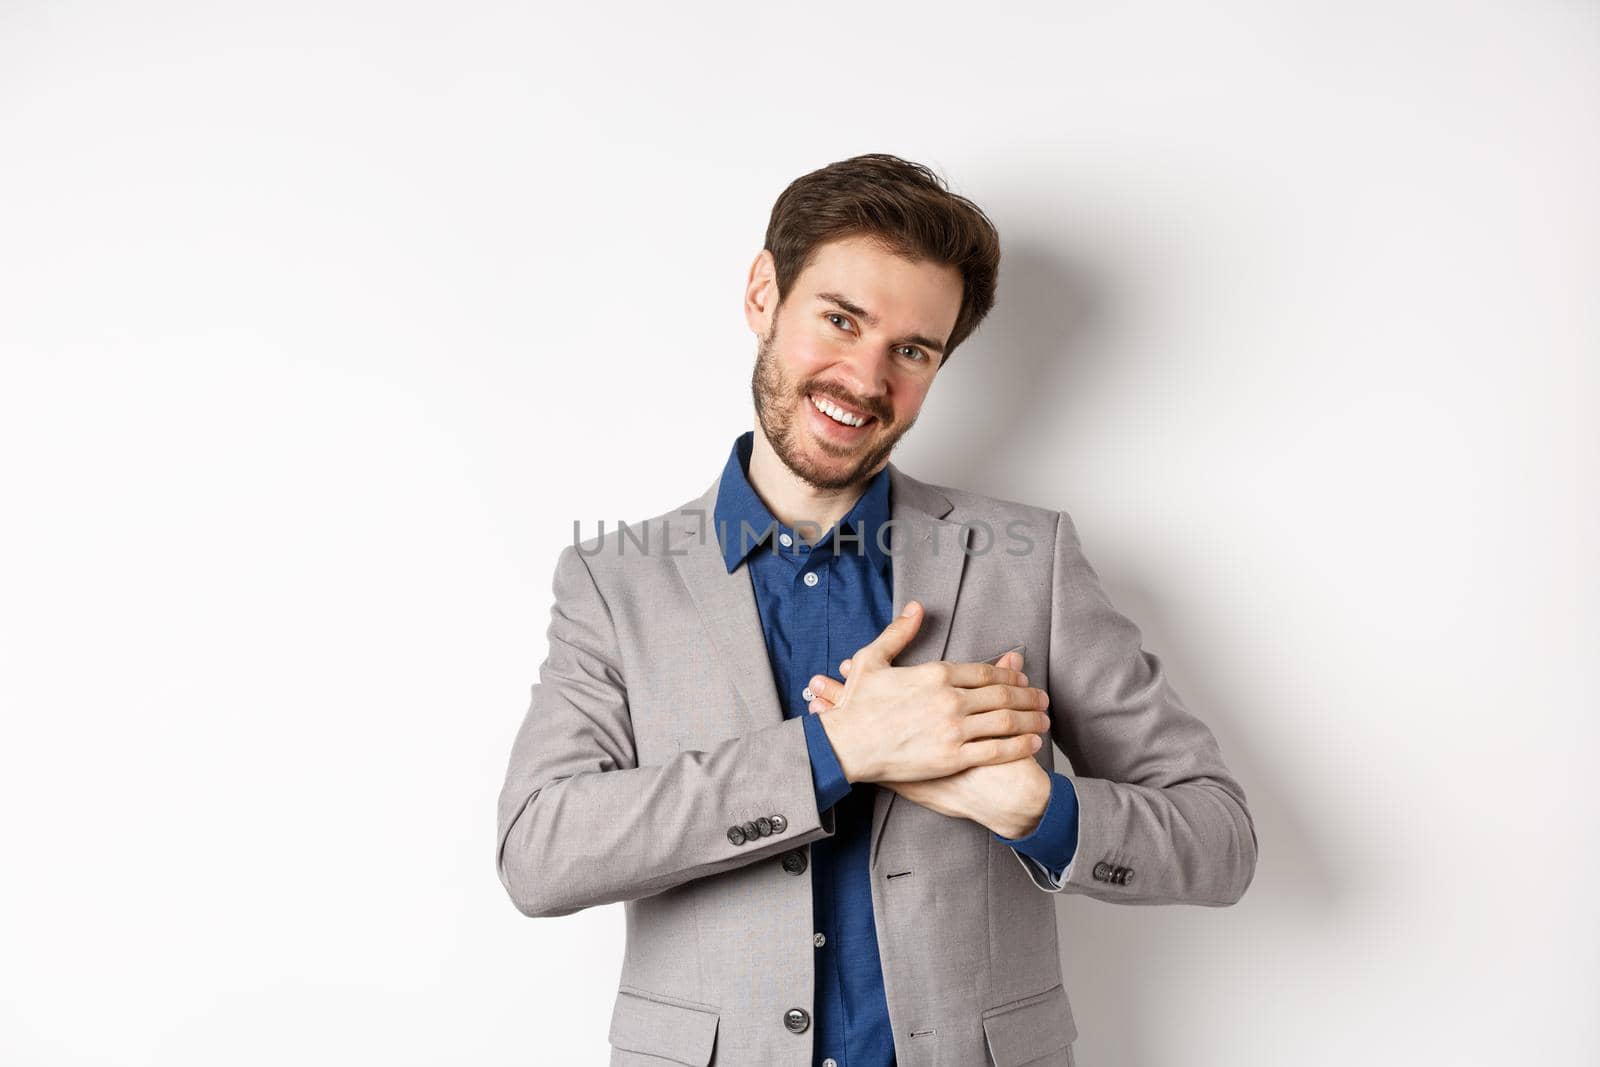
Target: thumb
x=896, y=636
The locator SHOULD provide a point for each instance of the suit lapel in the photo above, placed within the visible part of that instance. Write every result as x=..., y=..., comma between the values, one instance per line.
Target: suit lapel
x=727, y=606
x=927, y=565
x=927, y=559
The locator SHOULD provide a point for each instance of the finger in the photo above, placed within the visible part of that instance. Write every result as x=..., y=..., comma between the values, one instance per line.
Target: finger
x=973, y=675
x=1000, y=749
x=844, y=668
x=896, y=636
x=1003, y=722
x=1001, y=695
x=826, y=688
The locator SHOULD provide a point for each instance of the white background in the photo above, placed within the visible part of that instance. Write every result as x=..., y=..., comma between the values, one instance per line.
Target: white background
x=321, y=322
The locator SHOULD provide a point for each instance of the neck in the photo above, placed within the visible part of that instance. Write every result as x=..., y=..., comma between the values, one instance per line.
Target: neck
x=794, y=502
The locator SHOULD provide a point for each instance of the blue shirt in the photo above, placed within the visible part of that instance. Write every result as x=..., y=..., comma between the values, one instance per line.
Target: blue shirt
x=819, y=604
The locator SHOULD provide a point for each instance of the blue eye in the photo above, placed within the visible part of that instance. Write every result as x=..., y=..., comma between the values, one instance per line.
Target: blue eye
x=835, y=315
x=915, y=352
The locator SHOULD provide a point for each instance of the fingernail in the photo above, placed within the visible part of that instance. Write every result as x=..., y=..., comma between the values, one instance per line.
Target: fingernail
x=909, y=609
x=1024, y=679
x=1037, y=741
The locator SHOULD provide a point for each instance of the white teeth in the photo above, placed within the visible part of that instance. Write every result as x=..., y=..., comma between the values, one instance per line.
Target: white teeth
x=834, y=412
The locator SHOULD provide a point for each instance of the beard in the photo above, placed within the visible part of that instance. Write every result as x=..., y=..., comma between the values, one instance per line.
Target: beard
x=777, y=400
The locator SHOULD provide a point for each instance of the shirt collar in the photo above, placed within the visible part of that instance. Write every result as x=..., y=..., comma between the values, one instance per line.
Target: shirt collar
x=737, y=501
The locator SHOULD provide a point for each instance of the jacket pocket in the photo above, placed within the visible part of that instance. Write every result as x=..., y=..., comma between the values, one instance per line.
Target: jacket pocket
x=991, y=659
x=1024, y=1030
x=677, y=1030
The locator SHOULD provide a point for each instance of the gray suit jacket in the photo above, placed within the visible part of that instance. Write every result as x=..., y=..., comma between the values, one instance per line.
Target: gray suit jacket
x=655, y=729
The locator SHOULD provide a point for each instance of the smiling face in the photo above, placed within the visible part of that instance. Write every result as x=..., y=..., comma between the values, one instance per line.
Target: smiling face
x=861, y=332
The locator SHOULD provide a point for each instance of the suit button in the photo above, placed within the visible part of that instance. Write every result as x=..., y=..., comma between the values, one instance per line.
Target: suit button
x=794, y=861
x=750, y=831
x=1102, y=871
x=736, y=834
x=797, y=1019
x=1124, y=875
x=779, y=824
x=764, y=826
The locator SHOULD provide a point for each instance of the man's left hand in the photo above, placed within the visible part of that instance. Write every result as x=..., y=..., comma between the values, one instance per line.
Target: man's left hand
x=1008, y=798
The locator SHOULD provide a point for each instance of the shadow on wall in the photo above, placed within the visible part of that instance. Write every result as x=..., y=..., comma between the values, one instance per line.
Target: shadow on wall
x=1055, y=328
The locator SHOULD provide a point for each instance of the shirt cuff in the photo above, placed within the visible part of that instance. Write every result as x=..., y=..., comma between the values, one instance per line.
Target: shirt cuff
x=827, y=777
x=1055, y=839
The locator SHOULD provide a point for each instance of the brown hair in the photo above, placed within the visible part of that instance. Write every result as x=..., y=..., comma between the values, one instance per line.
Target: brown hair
x=907, y=207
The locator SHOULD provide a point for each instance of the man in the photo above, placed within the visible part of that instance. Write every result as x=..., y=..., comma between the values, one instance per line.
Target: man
x=738, y=691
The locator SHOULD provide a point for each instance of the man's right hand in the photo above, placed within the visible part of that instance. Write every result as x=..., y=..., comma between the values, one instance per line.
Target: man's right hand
x=907, y=724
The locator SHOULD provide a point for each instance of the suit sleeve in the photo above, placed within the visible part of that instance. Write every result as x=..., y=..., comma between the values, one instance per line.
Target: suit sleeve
x=1161, y=820
x=580, y=823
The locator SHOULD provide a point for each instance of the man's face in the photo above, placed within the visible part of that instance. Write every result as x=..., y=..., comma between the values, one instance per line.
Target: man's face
x=861, y=328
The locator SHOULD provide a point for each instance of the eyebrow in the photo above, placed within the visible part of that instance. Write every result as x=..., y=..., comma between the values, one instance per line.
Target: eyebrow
x=872, y=320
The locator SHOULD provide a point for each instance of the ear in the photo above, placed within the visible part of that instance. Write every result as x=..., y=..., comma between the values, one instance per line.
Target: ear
x=761, y=294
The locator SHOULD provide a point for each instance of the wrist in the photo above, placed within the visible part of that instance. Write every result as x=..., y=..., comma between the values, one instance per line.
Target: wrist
x=1035, y=799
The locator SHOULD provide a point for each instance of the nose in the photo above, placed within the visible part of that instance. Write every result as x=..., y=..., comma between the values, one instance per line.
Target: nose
x=865, y=376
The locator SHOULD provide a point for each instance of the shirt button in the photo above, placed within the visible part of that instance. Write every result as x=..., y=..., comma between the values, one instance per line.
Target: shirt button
x=818, y=940
x=830, y=1062
x=808, y=694
x=811, y=578
x=785, y=540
